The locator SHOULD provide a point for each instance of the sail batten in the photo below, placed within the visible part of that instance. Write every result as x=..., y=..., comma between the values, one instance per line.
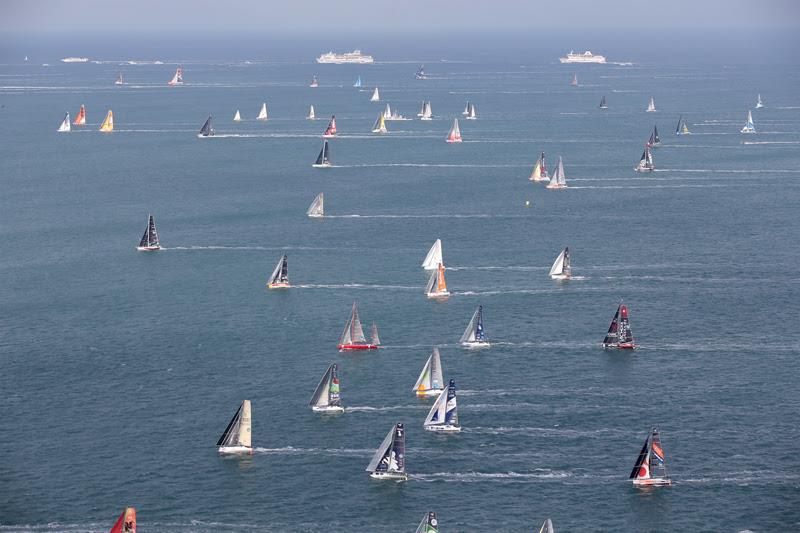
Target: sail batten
x=430, y=381
x=353, y=337
x=327, y=395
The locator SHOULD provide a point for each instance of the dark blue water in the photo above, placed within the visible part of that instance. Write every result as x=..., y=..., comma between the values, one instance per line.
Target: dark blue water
x=121, y=369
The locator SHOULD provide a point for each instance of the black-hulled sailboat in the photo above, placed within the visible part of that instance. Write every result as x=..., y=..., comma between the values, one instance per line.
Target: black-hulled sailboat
x=280, y=276
x=650, y=468
x=149, y=241
x=389, y=461
x=326, y=397
x=619, y=333
x=323, y=159
x=206, y=130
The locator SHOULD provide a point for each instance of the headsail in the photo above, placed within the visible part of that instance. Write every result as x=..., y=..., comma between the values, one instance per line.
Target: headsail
x=108, y=123
x=80, y=118
x=389, y=460
x=443, y=415
x=262, y=114
x=323, y=159
x=429, y=524
x=149, y=241
x=311, y=115
x=562, y=268
x=650, y=467
x=317, y=207
x=206, y=130
x=376, y=96
x=619, y=333
x=474, y=334
x=646, y=161
x=437, y=286
x=472, y=115
x=126, y=523
x=430, y=380
x=65, y=126
x=327, y=395
x=280, y=276
x=237, y=434
x=547, y=527
x=330, y=131
x=434, y=257
x=352, y=337
x=427, y=111
x=454, y=136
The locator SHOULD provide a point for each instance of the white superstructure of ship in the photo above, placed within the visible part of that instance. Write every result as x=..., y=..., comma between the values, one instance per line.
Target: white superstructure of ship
x=586, y=57
x=75, y=60
x=349, y=57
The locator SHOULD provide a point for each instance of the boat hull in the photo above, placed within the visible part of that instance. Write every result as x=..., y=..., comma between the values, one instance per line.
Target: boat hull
x=475, y=345
x=148, y=248
x=438, y=295
x=560, y=277
x=453, y=140
x=428, y=393
x=278, y=285
x=354, y=347
x=443, y=429
x=556, y=187
x=324, y=165
x=235, y=450
x=392, y=476
x=328, y=409
x=621, y=346
x=659, y=482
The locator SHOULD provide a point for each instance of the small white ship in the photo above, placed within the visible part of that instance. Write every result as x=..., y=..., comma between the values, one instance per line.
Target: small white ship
x=349, y=57
x=75, y=60
x=586, y=57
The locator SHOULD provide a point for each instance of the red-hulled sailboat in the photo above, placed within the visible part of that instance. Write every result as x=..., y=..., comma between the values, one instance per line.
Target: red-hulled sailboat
x=126, y=523
x=619, y=332
x=353, y=335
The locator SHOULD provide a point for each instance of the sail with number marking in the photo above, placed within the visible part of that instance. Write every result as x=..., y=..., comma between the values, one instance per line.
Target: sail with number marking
x=429, y=524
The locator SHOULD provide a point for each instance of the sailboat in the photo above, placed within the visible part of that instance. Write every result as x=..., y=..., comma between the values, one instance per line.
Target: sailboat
x=558, y=180
x=562, y=268
x=237, y=117
x=430, y=381
x=603, y=104
x=437, y=287
x=108, y=123
x=311, y=115
x=454, y=136
x=427, y=112
x=262, y=114
x=387, y=113
x=420, y=74
x=323, y=159
x=434, y=257
x=654, y=141
x=317, y=207
x=326, y=398
x=651, y=105
x=177, y=79
x=119, y=81
x=373, y=333
x=547, y=527
x=206, y=130
x=149, y=241
x=65, y=126
x=126, y=523
x=80, y=118
x=376, y=96
x=474, y=336
x=646, y=162
x=429, y=524
x=280, y=276
x=380, y=125
x=314, y=82
x=749, y=127
x=682, y=128
x=422, y=109
x=650, y=468
x=574, y=81
x=472, y=115
x=466, y=109
x=759, y=103
x=357, y=84
x=389, y=461
x=353, y=335
x=236, y=437
x=540, y=170
x=443, y=415
x=330, y=131
x=619, y=333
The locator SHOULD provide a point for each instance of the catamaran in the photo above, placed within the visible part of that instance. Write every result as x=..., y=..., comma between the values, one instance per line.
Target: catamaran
x=330, y=131
x=420, y=74
x=603, y=104
x=437, y=287
x=558, y=180
x=389, y=461
x=443, y=415
x=177, y=79
x=682, y=128
x=380, y=125
x=574, y=80
x=547, y=527
x=236, y=437
x=206, y=130
x=646, y=161
x=540, y=170
x=472, y=115
x=429, y=524
x=651, y=105
x=376, y=96
x=262, y=114
x=749, y=127
x=311, y=115
x=126, y=523
x=357, y=84
x=108, y=123
x=149, y=241
x=119, y=81
x=80, y=118
x=326, y=398
x=280, y=276
x=317, y=207
x=562, y=268
x=430, y=381
x=434, y=257
x=237, y=117
x=353, y=335
x=323, y=159
x=65, y=126
x=314, y=81
x=654, y=140
x=650, y=468
x=427, y=112
x=474, y=336
x=466, y=109
x=619, y=333
x=454, y=136
x=759, y=103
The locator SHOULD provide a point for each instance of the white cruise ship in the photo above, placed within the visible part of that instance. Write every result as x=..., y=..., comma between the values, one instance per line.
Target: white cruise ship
x=75, y=60
x=350, y=57
x=586, y=57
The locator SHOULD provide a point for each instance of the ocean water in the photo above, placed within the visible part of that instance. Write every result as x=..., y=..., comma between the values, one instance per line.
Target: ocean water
x=121, y=369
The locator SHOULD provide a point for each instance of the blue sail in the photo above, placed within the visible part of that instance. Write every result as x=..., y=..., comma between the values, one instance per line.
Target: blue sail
x=479, y=334
x=451, y=412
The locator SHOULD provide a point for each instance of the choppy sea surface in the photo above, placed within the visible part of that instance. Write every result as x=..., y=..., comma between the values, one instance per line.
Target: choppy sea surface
x=121, y=369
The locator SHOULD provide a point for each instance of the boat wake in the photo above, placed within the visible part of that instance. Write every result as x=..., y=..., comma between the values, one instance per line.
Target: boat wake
x=437, y=165
x=517, y=268
x=473, y=477
x=368, y=409
x=291, y=450
x=354, y=286
x=268, y=248
x=553, y=431
x=475, y=215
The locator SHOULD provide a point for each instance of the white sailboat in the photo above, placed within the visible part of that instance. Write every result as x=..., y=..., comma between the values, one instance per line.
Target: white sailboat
x=376, y=96
x=280, y=276
x=454, y=136
x=558, y=180
x=651, y=106
x=389, y=461
x=429, y=524
x=749, y=126
x=311, y=115
x=387, y=113
x=466, y=109
x=437, y=286
x=177, y=79
x=380, y=125
x=547, y=527
x=236, y=437
x=474, y=336
x=562, y=268
x=472, y=115
x=65, y=124
x=759, y=102
x=237, y=117
x=434, y=257
x=443, y=415
x=427, y=112
x=646, y=161
x=326, y=398
x=262, y=115
x=317, y=207
x=421, y=109
x=430, y=381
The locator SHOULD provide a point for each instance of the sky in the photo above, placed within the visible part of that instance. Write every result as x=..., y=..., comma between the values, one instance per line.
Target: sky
x=339, y=16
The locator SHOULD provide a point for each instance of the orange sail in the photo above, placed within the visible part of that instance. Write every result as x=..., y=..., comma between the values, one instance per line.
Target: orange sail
x=108, y=123
x=80, y=118
x=126, y=523
x=441, y=285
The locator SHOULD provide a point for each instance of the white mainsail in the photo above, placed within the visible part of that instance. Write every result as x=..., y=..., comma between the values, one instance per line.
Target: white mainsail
x=430, y=380
x=262, y=115
x=469, y=333
x=237, y=436
x=466, y=109
x=237, y=117
x=65, y=124
x=311, y=115
x=759, y=102
x=434, y=256
x=380, y=125
x=472, y=115
x=651, y=105
x=374, y=338
x=558, y=180
x=376, y=96
x=387, y=113
x=389, y=459
x=561, y=268
x=317, y=207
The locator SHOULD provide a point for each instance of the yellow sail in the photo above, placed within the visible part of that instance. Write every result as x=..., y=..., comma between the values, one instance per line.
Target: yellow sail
x=245, y=425
x=108, y=123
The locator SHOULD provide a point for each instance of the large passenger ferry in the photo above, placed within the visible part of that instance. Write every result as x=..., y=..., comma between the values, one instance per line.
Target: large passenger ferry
x=586, y=57
x=349, y=57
